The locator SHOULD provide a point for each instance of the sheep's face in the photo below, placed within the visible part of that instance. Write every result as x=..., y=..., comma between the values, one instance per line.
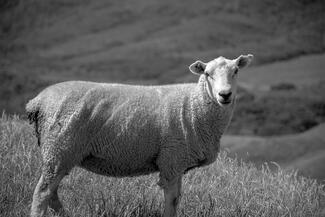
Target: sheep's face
x=221, y=76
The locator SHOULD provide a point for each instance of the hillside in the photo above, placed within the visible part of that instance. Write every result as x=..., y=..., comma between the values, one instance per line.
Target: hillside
x=225, y=188
x=301, y=72
x=148, y=42
x=304, y=151
x=280, y=109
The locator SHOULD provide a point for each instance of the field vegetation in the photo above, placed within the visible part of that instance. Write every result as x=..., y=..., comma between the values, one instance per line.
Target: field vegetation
x=226, y=188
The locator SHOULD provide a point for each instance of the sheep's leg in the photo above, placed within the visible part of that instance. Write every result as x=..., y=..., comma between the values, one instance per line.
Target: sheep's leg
x=45, y=193
x=55, y=203
x=172, y=194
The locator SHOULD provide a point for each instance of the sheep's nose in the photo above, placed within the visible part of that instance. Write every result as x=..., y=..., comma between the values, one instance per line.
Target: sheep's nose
x=225, y=95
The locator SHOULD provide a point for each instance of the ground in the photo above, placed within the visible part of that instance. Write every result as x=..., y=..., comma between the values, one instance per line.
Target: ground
x=225, y=188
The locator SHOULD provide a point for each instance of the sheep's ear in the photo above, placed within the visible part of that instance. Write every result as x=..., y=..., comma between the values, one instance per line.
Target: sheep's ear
x=244, y=60
x=198, y=67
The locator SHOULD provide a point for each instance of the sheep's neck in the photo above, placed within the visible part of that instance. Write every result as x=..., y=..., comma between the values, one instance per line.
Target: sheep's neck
x=209, y=119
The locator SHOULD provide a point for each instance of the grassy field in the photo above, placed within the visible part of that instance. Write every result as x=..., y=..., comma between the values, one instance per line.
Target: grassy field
x=226, y=188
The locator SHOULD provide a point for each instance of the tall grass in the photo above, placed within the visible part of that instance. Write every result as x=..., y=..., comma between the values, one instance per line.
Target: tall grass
x=225, y=188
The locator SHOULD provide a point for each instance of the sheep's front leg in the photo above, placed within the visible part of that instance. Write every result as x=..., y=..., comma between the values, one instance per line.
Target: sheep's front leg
x=172, y=194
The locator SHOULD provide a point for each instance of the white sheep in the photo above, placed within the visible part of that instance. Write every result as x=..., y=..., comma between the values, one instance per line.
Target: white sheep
x=125, y=130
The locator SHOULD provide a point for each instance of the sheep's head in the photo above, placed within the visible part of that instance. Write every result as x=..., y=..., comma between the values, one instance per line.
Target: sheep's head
x=221, y=75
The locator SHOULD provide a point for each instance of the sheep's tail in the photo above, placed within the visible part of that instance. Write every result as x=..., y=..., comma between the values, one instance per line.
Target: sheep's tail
x=34, y=115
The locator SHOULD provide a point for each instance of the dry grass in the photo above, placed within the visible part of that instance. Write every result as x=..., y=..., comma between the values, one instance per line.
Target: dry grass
x=226, y=188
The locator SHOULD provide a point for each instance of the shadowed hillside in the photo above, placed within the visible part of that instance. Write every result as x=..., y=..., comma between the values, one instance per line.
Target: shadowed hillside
x=284, y=108
x=43, y=42
x=300, y=72
x=304, y=151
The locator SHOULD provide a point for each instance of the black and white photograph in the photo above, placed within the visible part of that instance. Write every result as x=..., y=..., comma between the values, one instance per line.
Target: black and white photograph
x=152, y=108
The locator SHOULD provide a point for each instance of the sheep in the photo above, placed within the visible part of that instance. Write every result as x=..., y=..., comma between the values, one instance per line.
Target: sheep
x=126, y=130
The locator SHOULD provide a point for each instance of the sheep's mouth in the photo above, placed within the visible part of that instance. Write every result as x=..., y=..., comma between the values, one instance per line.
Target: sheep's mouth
x=224, y=102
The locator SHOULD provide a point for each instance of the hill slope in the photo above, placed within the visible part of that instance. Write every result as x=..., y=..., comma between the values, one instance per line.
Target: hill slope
x=301, y=71
x=147, y=41
x=304, y=151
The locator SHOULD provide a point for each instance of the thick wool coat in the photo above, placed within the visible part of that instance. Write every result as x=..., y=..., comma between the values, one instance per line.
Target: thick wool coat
x=126, y=130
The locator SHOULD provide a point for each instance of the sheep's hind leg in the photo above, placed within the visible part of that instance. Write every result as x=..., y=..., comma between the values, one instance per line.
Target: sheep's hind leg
x=172, y=194
x=55, y=203
x=45, y=193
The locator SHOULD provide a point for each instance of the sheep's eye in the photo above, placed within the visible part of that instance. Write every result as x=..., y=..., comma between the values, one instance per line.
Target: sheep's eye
x=208, y=75
x=236, y=71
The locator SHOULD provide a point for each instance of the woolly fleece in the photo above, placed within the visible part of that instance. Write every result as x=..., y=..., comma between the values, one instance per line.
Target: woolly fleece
x=125, y=130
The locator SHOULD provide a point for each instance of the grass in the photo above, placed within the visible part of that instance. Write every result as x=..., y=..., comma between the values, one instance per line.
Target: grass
x=225, y=188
